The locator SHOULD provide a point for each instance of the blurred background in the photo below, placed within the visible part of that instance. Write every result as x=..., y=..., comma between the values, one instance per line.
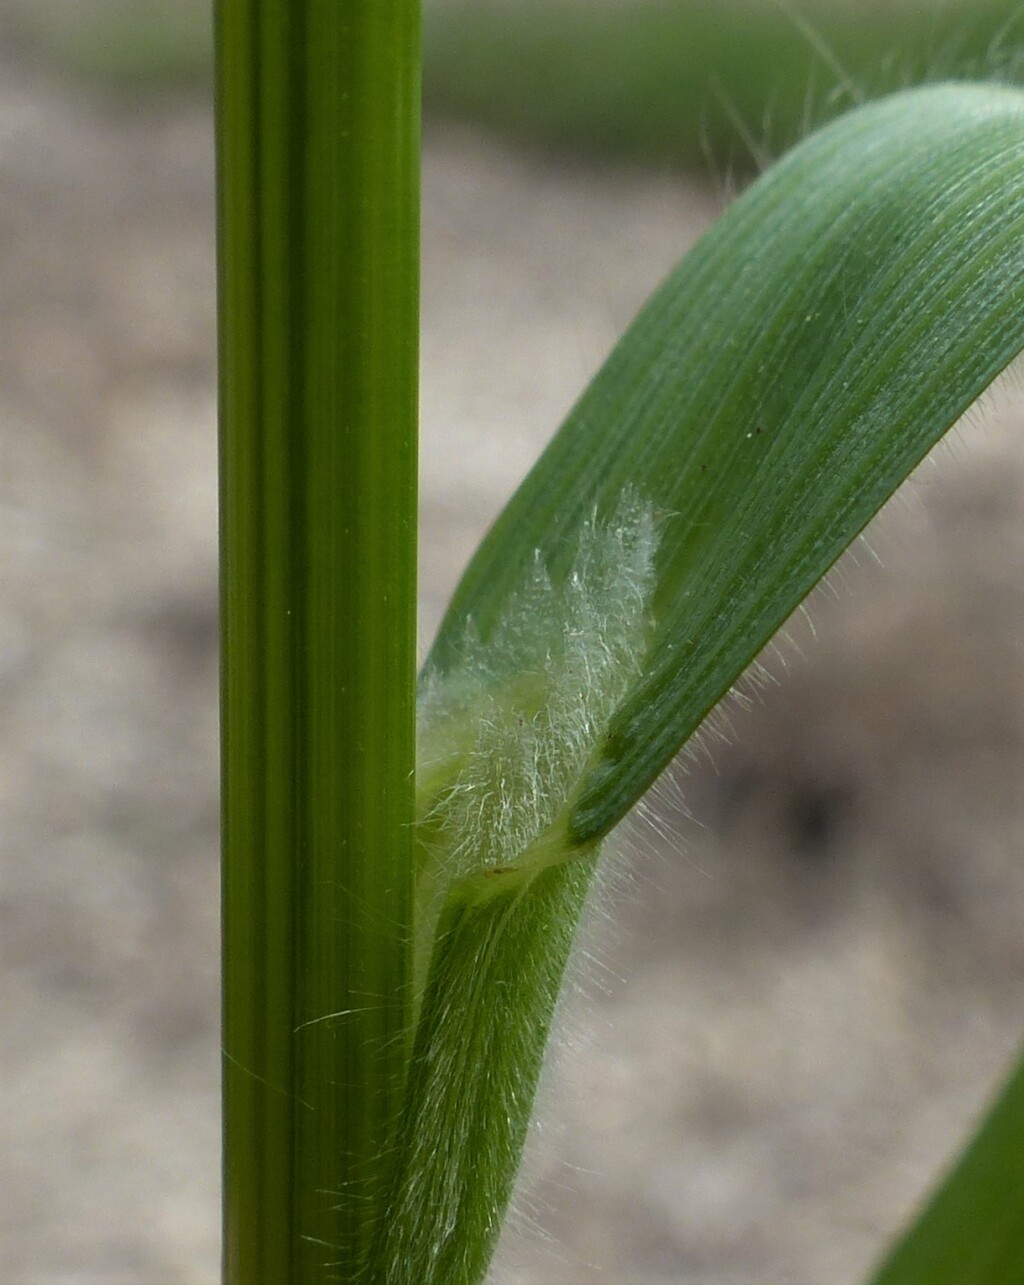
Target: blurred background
x=804, y=972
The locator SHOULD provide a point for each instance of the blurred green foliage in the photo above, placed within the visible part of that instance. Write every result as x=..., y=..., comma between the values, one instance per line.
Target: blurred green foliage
x=685, y=81
x=118, y=46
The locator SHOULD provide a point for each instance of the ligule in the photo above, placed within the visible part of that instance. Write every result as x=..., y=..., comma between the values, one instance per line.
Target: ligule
x=506, y=734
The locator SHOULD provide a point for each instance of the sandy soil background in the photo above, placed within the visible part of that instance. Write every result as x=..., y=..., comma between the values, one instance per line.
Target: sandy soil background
x=797, y=997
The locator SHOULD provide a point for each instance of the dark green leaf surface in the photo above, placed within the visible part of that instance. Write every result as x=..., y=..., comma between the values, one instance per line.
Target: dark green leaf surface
x=972, y=1231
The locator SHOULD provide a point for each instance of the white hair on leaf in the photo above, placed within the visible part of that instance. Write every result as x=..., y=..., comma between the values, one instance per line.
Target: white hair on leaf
x=505, y=735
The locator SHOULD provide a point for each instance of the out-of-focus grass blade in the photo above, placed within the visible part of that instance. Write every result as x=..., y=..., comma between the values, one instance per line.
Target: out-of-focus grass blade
x=123, y=46
x=679, y=79
x=772, y=395
x=972, y=1231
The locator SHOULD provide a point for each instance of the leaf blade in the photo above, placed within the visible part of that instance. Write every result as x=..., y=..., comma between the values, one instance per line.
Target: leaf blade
x=971, y=1232
x=774, y=392
x=766, y=402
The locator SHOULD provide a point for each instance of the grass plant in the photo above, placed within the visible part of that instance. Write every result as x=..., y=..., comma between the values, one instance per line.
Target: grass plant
x=394, y=947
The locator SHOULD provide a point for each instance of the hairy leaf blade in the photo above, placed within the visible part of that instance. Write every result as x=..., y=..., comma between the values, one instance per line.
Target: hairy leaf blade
x=763, y=406
x=772, y=395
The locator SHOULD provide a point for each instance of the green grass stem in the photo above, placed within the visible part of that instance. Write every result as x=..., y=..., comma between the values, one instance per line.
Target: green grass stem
x=318, y=162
